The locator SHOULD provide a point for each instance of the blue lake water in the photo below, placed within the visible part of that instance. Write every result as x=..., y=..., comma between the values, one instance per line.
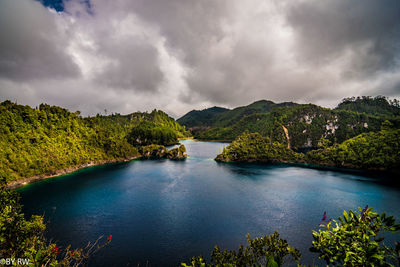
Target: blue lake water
x=162, y=212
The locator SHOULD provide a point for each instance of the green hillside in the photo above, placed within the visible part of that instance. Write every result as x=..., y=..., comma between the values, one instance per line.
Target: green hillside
x=373, y=151
x=221, y=117
x=49, y=138
x=302, y=126
x=253, y=147
x=379, y=105
x=199, y=118
x=305, y=125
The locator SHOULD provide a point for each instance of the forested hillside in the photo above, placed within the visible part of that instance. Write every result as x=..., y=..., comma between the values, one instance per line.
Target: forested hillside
x=253, y=147
x=49, y=138
x=302, y=126
x=378, y=105
x=373, y=151
x=221, y=117
x=200, y=118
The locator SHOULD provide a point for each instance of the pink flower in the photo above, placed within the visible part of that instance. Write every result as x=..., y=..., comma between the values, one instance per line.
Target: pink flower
x=324, y=219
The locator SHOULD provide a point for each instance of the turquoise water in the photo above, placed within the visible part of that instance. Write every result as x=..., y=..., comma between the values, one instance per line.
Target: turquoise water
x=163, y=212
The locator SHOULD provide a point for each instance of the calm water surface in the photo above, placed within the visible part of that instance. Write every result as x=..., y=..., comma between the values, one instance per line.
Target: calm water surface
x=163, y=212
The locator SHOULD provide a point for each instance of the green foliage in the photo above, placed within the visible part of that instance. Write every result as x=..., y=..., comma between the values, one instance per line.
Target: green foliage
x=49, y=138
x=269, y=250
x=356, y=239
x=198, y=118
x=221, y=117
x=306, y=124
x=252, y=147
x=146, y=133
x=378, y=105
x=36, y=141
x=21, y=238
x=373, y=150
x=159, y=151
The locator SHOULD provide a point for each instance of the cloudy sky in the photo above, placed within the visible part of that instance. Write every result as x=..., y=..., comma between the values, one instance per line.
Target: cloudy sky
x=179, y=55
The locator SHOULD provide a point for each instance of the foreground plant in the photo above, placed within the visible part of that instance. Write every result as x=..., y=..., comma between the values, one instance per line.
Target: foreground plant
x=356, y=239
x=23, y=239
x=268, y=251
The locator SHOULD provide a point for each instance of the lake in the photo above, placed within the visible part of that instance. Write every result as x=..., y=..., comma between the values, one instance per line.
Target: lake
x=162, y=212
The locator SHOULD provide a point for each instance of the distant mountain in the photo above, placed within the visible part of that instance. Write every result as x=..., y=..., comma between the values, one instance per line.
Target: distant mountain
x=222, y=117
x=205, y=117
x=263, y=106
x=302, y=126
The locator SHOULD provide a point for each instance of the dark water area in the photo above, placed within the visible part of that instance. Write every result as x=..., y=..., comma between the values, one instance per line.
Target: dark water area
x=163, y=212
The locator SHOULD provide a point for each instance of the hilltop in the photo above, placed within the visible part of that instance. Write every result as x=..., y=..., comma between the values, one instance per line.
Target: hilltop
x=222, y=117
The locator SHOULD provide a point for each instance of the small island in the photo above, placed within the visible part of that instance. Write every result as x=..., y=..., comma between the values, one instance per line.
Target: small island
x=160, y=152
x=378, y=151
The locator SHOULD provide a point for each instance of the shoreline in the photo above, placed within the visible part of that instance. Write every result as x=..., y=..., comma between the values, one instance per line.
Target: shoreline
x=213, y=140
x=30, y=180
x=314, y=165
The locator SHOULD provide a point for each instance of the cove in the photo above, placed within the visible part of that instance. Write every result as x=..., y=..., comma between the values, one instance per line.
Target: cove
x=162, y=212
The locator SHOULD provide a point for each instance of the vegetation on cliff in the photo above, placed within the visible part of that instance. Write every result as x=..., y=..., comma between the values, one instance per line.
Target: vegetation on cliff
x=252, y=147
x=147, y=132
x=378, y=105
x=307, y=124
x=221, y=117
x=159, y=151
x=374, y=150
x=42, y=140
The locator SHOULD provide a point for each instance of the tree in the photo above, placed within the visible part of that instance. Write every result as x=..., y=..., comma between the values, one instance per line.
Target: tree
x=269, y=250
x=21, y=238
x=354, y=240
x=357, y=240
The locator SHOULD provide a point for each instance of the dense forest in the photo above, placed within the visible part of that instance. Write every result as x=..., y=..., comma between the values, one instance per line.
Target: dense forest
x=302, y=126
x=253, y=147
x=222, y=117
x=373, y=151
x=42, y=140
x=379, y=105
x=361, y=133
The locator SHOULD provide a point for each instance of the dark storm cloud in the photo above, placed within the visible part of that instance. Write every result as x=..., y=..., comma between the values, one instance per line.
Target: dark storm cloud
x=136, y=67
x=189, y=26
x=368, y=31
x=178, y=55
x=31, y=46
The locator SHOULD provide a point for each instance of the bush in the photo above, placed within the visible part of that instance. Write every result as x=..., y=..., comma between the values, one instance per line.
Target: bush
x=265, y=251
x=21, y=238
x=354, y=240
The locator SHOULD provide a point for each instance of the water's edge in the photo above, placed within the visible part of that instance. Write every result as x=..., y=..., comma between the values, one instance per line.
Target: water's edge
x=25, y=181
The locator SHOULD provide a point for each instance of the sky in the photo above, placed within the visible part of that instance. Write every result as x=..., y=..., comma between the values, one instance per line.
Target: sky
x=177, y=55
